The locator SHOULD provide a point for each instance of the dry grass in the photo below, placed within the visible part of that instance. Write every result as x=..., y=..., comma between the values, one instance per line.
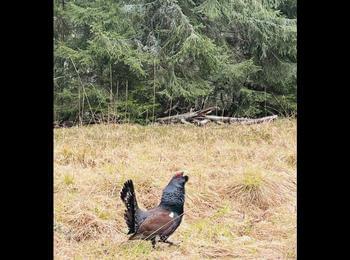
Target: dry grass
x=241, y=195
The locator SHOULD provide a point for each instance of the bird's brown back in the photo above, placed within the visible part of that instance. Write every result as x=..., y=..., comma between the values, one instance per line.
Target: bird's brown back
x=157, y=223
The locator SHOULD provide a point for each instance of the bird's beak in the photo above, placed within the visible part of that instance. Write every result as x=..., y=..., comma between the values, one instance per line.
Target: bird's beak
x=186, y=178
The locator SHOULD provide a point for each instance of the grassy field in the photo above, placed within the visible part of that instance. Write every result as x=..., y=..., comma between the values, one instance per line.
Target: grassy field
x=240, y=201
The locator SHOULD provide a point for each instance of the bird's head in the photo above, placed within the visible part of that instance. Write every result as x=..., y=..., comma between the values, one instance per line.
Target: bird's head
x=179, y=179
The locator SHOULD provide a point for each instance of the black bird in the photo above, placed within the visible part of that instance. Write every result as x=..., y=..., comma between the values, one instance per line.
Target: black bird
x=159, y=223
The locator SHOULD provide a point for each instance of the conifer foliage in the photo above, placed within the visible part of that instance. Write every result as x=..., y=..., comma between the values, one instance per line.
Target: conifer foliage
x=137, y=60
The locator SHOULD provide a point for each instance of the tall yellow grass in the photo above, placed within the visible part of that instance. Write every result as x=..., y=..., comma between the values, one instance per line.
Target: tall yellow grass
x=240, y=201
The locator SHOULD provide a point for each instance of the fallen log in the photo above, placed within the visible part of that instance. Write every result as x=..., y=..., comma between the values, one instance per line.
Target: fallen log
x=241, y=120
x=186, y=116
x=185, y=122
x=258, y=120
x=203, y=122
x=206, y=110
x=225, y=119
x=201, y=118
x=172, y=108
x=176, y=118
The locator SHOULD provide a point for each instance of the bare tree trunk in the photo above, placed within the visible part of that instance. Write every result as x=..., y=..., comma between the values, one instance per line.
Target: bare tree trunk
x=110, y=94
x=154, y=89
x=79, y=110
x=265, y=99
x=83, y=103
x=126, y=100
x=116, y=99
x=172, y=108
x=171, y=103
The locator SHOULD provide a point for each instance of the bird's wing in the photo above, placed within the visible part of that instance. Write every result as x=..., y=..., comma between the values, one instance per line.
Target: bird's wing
x=155, y=224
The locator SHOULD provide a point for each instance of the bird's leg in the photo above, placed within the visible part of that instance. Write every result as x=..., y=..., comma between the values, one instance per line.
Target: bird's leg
x=164, y=239
x=153, y=240
x=169, y=242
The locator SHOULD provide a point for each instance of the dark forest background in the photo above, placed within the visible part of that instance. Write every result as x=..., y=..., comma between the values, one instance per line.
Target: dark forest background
x=134, y=61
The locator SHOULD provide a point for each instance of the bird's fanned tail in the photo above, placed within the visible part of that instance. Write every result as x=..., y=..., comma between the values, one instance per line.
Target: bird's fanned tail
x=128, y=196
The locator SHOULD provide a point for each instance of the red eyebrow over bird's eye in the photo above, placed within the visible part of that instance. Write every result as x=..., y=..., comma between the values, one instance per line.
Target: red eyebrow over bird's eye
x=179, y=174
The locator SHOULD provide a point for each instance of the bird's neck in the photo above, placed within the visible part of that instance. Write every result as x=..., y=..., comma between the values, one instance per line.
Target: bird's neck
x=177, y=208
x=173, y=199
